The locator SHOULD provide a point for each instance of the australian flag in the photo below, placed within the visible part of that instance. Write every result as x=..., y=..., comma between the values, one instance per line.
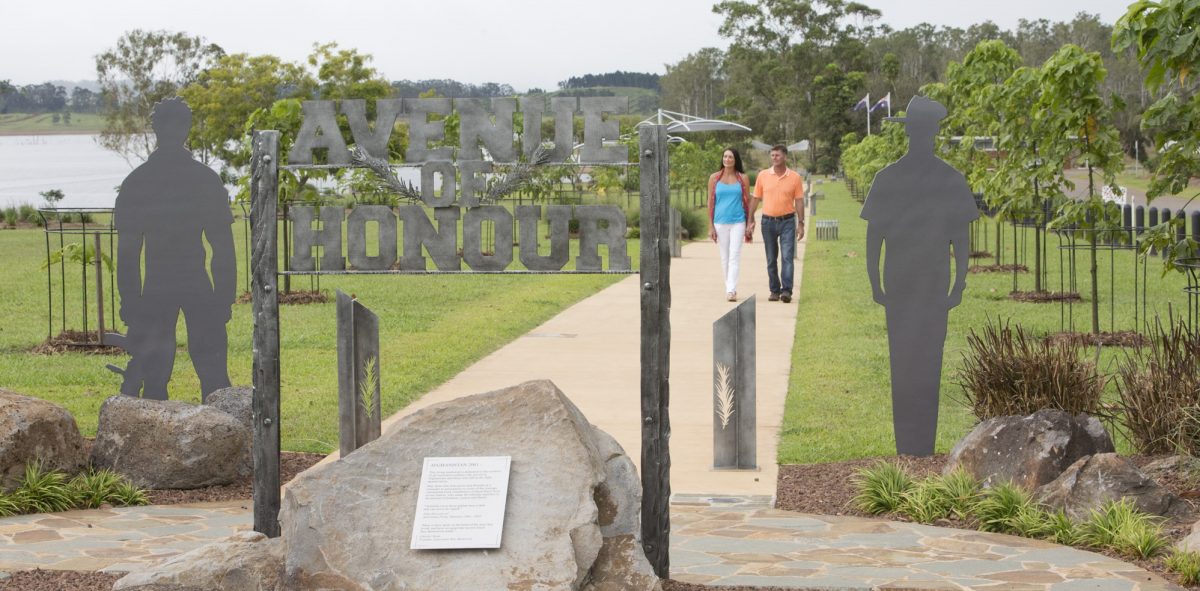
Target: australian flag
x=864, y=103
x=885, y=102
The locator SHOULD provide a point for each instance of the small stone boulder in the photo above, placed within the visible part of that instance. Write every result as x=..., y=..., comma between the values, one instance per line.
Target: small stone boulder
x=248, y=561
x=347, y=524
x=36, y=430
x=1092, y=481
x=238, y=402
x=1179, y=467
x=168, y=444
x=1191, y=543
x=1030, y=451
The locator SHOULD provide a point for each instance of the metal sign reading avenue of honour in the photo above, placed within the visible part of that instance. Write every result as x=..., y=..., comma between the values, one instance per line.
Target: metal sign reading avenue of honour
x=430, y=225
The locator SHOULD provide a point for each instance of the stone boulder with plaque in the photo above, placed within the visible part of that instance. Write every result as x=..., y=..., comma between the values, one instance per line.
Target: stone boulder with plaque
x=570, y=518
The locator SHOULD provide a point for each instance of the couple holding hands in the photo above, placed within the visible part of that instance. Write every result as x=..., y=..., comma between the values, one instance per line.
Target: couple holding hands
x=731, y=208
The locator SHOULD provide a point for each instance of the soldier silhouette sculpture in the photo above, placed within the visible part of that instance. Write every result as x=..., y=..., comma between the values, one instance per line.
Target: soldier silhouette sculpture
x=167, y=210
x=918, y=210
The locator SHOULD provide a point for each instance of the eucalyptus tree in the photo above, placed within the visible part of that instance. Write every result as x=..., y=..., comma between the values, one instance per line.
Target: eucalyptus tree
x=144, y=68
x=1164, y=36
x=778, y=48
x=1081, y=118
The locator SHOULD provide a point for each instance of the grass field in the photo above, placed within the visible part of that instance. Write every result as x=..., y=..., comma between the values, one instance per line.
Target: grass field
x=43, y=123
x=839, y=404
x=431, y=327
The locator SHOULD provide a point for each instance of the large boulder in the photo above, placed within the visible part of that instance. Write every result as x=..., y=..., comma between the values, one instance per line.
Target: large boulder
x=621, y=563
x=238, y=402
x=35, y=430
x=346, y=524
x=168, y=444
x=1092, y=481
x=1029, y=451
x=248, y=561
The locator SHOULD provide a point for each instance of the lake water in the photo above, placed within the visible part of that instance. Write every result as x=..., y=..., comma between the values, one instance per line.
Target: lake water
x=75, y=164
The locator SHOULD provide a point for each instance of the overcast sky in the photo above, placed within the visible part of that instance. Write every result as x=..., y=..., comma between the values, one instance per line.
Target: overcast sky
x=526, y=43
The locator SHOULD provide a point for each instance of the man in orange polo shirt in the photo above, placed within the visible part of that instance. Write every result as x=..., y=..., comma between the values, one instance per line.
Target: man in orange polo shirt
x=780, y=190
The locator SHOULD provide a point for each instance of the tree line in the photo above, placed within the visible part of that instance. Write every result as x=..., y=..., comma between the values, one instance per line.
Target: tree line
x=46, y=98
x=617, y=78
x=794, y=70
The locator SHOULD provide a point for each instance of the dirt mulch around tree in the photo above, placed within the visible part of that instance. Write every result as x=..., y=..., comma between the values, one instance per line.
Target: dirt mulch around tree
x=1044, y=297
x=75, y=341
x=58, y=580
x=981, y=254
x=292, y=297
x=1006, y=268
x=1124, y=338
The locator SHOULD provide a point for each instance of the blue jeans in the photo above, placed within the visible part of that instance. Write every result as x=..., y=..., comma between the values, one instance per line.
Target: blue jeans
x=779, y=237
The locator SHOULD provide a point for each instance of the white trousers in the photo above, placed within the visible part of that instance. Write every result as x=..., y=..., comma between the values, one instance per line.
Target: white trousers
x=729, y=242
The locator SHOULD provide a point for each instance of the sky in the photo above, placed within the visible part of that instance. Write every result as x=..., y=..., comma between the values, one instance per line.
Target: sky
x=525, y=43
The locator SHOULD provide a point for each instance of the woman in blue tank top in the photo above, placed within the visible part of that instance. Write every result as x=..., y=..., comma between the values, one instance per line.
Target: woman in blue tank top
x=728, y=210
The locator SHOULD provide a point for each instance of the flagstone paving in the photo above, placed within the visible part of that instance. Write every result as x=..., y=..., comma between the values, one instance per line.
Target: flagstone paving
x=714, y=540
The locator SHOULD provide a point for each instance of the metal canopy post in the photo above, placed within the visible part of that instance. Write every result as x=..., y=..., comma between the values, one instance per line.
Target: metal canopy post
x=264, y=195
x=655, y=347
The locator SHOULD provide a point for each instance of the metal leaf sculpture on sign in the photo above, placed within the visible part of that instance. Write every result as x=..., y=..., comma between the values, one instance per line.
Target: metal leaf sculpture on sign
x=167, y=211
x=918, y=209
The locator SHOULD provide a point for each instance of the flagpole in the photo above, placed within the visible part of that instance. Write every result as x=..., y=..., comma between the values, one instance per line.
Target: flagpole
x=889, y=103
x=868, y=113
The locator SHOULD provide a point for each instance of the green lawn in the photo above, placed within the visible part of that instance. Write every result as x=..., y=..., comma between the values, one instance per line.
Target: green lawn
x=838, y=404
x=431, y=327
x=29, y=123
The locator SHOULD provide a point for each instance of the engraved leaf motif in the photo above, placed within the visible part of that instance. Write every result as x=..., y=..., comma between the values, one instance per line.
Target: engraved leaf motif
x=368, y=385
x=724, y=393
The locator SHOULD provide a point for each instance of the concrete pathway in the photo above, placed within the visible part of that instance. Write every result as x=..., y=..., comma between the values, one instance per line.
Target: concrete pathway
x=732, y=537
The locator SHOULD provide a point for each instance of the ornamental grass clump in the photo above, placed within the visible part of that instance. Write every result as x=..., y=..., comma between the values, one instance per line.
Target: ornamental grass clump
x=1121, y=526
x=925, y=502
x=1006, y=371
x=1001, y=506
x=1158, y=389
x=881, y=488
x=95, y=488
x=1186, y=565
x=43, y=491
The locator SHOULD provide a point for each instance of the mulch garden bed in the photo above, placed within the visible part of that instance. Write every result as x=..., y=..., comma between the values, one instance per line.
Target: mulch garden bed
x=981, y=254
x=292, y=297
x=75, y=341
x=823, y=489
x=1124, y=338
x=1043, y=297
x=1005, y=268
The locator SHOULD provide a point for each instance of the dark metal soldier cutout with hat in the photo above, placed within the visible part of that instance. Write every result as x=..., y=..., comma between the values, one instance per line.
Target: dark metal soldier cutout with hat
x=918, y=210
x=167, y=210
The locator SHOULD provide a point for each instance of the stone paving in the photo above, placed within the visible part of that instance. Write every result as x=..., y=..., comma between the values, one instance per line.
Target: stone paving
x=714, y=540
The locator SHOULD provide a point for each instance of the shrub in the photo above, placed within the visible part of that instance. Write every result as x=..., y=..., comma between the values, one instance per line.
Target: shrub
x=1159, y=392
x=11, y=216
x=1186, y=565
x=962, y=491
x=8, y=505
x=695, y=222
x=1006, y=371
x=881, y=489
x=1030, y=521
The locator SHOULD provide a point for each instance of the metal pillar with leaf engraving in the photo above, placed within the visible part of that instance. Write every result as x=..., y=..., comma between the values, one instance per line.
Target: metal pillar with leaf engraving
x=734, y=412
x=358, y=374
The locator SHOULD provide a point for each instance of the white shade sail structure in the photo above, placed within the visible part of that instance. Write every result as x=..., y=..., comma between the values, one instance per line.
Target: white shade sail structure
x=678, y=123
